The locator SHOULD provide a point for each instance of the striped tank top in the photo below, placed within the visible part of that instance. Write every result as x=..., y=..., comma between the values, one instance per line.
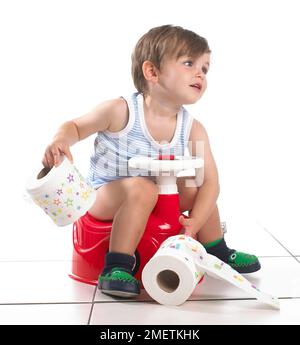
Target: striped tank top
x=112, y=150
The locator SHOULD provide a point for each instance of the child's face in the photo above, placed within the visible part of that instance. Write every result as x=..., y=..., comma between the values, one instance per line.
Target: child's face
x=184, y=80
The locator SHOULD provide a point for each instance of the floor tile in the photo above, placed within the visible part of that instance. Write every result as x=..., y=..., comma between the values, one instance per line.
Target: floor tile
x=286, y=231
x=41, y=282
x=246, y=235
x=279, y=277
x=278, y=211
x=45, y=314
x=101, y=297
x=246, y=214
x=196, y=312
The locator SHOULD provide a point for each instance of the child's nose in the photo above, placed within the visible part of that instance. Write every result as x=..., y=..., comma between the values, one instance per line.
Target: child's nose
x=200, y=73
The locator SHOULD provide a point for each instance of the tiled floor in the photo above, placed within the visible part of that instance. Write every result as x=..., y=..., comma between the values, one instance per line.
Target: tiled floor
x=36, y=288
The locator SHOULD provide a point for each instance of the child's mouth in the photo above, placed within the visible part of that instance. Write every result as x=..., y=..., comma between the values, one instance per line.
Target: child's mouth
x=197, y=86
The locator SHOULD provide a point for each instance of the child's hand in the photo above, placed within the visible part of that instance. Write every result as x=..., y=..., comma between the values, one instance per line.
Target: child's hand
x=54, y=152
x=190, y=227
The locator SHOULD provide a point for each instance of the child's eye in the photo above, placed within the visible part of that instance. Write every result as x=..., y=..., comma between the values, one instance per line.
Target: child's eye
x=188, y=63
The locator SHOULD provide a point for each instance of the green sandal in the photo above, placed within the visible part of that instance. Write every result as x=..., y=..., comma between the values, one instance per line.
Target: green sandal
x=241, y=262
x=119, y=282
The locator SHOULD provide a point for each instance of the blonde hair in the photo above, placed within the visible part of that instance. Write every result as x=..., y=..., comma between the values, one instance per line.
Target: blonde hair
x=162, y=42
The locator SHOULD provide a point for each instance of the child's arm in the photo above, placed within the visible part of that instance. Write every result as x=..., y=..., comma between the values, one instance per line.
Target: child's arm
x=208, y=193
x=106, y=116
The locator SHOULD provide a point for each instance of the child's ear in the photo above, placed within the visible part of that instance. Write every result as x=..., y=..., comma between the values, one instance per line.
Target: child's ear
x=150, y=71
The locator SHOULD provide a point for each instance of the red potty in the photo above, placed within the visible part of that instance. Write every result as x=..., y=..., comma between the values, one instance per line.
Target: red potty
x=90, y=243
x=91, y=239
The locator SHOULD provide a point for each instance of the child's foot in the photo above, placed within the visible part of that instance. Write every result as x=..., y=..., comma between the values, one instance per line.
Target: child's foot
x=241, y=262
x=119, y=282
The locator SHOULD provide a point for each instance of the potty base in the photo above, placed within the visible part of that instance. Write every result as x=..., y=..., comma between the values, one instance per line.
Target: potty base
x=91, y=243
x=82, y=280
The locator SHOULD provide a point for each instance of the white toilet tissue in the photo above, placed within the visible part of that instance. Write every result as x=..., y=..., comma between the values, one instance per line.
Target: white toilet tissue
x=61, y=192
x=173, y=272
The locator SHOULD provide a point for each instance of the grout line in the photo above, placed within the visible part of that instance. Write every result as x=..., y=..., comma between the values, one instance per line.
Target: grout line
x=92, y=306
x=265, y=229
x=296, y=258
x=196, y=300
x=139, y=301
x=239, y=299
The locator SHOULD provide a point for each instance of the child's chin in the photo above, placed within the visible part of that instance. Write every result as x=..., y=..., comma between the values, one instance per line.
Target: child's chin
x=191, y=100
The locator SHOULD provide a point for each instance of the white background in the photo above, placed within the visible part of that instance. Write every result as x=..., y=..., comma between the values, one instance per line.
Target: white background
x=61, y=58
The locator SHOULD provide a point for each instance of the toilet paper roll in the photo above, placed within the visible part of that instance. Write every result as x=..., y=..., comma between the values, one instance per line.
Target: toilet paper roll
x=171, y=274
x=61, y=192
x=174, y=271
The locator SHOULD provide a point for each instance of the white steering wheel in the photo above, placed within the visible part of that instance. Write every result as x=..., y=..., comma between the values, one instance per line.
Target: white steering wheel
x=166, y=163
x=166, y=168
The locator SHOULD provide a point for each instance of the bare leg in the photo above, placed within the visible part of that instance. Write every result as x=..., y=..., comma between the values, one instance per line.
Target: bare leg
x=211, y=230
x=128, y=202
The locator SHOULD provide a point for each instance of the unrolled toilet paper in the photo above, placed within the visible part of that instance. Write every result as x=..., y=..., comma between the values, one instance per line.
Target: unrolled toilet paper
x=173, y=272
x=61, y=192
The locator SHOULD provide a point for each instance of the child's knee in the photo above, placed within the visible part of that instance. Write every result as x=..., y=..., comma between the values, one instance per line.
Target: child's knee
x=143, y=190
